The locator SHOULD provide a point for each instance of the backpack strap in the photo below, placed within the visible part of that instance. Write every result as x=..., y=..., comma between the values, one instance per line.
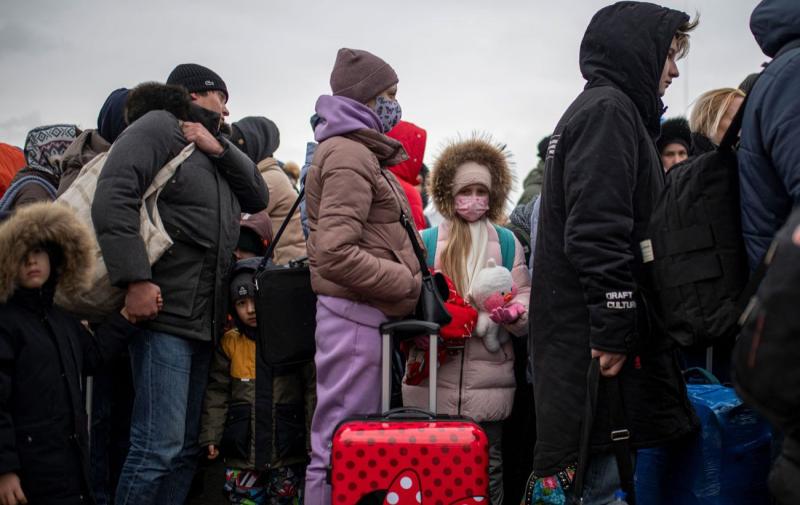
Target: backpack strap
x=508, y=246
x=430, y=237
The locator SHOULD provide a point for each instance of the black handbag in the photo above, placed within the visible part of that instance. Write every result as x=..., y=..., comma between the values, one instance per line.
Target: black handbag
x=286, y=306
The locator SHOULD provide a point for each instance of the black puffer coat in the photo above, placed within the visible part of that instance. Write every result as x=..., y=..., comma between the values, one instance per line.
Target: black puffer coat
x=589, y=290
x=43, y=355
x=200, y=208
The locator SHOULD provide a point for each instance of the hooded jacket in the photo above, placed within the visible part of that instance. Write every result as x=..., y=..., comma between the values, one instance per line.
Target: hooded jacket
x=769, y=154
x=38, y=181
x=602, y=178
x=44, y=355
x=357, y=248
x=88, y=145
x=199, y=207
x=413, y=139
x=475, y=382
x=258, y=137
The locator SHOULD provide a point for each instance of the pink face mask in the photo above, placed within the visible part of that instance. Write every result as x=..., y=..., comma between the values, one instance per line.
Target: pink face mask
x=471, y=207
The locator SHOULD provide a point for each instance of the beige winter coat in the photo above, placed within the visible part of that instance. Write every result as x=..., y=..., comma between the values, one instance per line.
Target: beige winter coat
x=282, y=196
x=475, y=382
x=357, y=247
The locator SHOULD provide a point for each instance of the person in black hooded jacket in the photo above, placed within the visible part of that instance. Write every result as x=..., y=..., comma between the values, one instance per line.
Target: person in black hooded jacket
x=602, y=177
x=44, y=354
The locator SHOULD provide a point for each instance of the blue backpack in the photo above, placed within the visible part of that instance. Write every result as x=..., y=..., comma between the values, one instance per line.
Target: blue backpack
x=430, y=237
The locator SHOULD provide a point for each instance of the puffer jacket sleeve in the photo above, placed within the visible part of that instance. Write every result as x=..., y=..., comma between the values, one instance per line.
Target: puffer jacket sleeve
x=344, y=206
x=243, y=178
x=137, y=155
x=9, y=460
x=215, y=404
x=599, y=182
x=522, y=280
x=783, y=130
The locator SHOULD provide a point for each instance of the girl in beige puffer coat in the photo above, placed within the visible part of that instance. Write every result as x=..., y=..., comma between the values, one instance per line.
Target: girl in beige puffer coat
x=470, y=184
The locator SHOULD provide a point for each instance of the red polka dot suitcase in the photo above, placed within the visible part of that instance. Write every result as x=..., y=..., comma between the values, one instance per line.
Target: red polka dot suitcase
x=409, y=456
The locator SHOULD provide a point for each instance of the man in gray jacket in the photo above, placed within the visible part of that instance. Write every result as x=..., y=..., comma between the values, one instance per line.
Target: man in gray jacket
x=179, y=302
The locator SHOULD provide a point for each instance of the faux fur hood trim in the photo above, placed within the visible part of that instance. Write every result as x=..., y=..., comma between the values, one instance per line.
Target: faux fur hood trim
x=150, y=96
x=480, y=149
x=41, y=223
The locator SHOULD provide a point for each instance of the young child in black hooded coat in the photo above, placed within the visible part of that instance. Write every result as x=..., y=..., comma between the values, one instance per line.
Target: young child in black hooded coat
x=44, y=354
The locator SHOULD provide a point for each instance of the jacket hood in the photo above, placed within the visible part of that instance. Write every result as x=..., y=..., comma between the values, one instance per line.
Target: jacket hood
x=479, y=149
x=150, y=96
x=775, y=23
x=40, y=223
x=45, y=146
x=111, y=119
x=88, y=145
x=257, y=137
x=413, y=139
x=339, y=115
x=626, y=46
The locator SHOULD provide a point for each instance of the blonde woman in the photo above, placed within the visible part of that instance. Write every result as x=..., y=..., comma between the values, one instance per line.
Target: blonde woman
x=711, y=116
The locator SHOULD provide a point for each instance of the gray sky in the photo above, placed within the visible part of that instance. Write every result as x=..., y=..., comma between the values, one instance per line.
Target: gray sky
x=509, y=68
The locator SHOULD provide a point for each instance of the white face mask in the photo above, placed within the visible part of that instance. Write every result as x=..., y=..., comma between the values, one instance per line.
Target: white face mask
x=471, y=207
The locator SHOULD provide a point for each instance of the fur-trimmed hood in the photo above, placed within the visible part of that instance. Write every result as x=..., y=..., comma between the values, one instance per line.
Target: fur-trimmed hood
x=150, y=96
x=46, y=223
x=479, y=149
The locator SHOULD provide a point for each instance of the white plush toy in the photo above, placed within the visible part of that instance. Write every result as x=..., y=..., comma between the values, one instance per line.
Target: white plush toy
x=492, y=293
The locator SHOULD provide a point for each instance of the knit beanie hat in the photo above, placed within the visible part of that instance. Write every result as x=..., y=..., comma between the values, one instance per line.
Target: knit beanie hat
x=197, y=78
x=674, y=131
x=111, y=120
x=542, y=147
x=360, y=75
x=242, y=284
x=471, y=173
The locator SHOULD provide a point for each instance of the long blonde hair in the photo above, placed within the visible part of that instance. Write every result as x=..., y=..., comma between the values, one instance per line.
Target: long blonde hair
x=454, y=254
x=710, y=108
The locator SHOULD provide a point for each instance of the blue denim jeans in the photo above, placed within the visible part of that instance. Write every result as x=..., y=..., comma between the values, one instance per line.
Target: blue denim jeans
x=169, y=377
x=602, y=479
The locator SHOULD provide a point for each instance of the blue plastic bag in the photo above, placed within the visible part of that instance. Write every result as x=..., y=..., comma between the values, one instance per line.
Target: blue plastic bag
x=726, y=463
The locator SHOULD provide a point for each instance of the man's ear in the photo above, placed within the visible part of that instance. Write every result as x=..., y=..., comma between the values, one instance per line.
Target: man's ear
x=193, y=96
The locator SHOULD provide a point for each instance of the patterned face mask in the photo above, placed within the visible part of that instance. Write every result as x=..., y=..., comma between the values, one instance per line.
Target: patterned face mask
x=388, y=111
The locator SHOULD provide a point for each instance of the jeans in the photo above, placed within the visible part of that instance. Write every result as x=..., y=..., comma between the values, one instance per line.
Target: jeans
x=169, y=377
x=602, y=479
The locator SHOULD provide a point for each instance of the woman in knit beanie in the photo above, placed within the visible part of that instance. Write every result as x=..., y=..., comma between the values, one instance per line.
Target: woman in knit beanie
x=363, y=267
x=470, y=183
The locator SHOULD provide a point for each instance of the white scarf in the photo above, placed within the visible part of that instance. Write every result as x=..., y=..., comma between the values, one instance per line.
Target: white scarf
x=476, y=258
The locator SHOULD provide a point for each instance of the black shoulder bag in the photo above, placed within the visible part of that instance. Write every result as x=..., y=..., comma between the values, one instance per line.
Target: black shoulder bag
x=286, y=306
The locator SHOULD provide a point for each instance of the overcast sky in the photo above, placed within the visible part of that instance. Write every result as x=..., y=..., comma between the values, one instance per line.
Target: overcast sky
x=509, y=68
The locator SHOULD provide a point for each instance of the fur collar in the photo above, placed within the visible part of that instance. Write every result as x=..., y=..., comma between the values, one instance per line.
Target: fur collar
x=150, y=96
x=46, y=222
x=480, y=149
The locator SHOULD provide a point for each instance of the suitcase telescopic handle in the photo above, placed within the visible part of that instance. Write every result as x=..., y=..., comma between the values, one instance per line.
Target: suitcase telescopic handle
x=409, y=413
x=408, y=326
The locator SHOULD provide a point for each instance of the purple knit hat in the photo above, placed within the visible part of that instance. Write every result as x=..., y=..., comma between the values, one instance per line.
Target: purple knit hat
x=360, y=75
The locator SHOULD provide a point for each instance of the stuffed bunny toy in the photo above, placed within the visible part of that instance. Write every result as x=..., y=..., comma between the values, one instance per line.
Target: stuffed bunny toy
x=492, y=293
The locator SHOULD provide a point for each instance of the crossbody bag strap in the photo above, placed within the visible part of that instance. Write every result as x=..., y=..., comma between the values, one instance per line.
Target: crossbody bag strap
x=410, y=230
x=592, y=382
x=620, y=438
x=277, y=237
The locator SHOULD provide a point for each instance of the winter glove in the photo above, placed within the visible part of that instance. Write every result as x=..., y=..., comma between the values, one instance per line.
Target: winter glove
x=507, y=314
